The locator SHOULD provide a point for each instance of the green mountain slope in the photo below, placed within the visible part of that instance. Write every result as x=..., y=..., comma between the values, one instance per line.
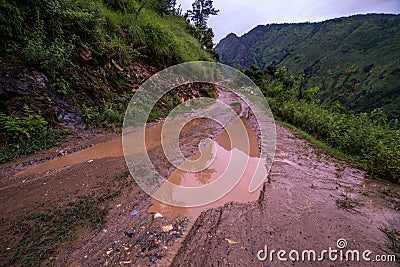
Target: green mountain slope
x=326, y=50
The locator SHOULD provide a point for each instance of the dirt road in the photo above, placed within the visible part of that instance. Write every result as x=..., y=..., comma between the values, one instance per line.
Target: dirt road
x=308, y=202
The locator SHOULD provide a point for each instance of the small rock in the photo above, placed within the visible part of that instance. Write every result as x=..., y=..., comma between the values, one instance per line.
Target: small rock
x=167, y=228
x=130, y=235
x=231, y=241
x=157, y=215
x=133, y=213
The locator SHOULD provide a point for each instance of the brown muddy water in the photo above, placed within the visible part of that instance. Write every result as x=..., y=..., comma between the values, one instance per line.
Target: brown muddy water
x=111, y=149
x=220, y=160
x=214, y=159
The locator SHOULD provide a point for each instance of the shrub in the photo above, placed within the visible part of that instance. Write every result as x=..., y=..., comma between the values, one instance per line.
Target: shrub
x=26, y=134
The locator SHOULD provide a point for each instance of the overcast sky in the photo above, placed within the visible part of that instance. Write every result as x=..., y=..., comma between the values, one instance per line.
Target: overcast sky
x=240, y=16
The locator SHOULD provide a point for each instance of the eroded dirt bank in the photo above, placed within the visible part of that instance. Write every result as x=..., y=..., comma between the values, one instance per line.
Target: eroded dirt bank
x=309, y=202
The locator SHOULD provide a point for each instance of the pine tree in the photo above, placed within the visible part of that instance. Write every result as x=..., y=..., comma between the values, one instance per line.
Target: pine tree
x=164, y=7
x=199, y=15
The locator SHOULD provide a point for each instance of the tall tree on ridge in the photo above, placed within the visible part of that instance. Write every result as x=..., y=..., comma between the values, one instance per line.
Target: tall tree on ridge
x=201, y=12
x=164, y=7
x=199, y=15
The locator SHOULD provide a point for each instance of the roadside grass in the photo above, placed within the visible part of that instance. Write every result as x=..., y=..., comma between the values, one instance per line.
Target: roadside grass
x=373, y=143
x=390, y=194
x=34, y=238
x=174, y=98
x=347, y=203
x=320, y=146
x=393, y=236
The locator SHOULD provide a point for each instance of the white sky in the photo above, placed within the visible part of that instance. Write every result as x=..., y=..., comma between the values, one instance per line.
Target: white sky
x=240, y=16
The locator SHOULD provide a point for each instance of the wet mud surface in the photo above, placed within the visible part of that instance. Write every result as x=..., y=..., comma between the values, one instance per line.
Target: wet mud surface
x=297, y=210
x=299, y=206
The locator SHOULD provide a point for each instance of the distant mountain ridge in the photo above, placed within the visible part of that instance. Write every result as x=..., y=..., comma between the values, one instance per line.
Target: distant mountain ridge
x=370, y=42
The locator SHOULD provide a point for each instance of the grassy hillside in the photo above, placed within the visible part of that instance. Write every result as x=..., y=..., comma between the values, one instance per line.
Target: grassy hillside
x=354, y=60
x=62, y=61
x=31, y=30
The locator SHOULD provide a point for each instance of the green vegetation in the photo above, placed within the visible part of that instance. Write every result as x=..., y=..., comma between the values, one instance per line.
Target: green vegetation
x=354, y=60
x=390, y=194
x=33, y=238
x=370, y=139
x=51, y=33
x=26, y=134
x=41, y=232
x=107, y=113
x=319, y=145
x=394, y=240
x=95, y=53
x=199, y=15
x=347, y=203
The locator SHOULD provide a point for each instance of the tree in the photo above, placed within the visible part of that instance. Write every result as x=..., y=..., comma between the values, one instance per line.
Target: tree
x=201, y=12
x=207, y=39
x=164, y=7
x=199, y=15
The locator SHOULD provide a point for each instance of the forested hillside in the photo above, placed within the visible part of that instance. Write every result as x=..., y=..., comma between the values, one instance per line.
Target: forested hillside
x=355, y=61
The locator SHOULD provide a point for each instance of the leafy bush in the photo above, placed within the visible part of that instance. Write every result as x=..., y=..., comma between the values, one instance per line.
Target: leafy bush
x=26, y=135
x=108, y=114
x=20, y=129
x=11, y=25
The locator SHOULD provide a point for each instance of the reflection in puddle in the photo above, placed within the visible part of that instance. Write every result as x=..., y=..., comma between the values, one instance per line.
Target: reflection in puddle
x=243, y=158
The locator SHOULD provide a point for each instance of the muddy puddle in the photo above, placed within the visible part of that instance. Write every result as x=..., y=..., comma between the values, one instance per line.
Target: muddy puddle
x=219, y=160
x=111, y=149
